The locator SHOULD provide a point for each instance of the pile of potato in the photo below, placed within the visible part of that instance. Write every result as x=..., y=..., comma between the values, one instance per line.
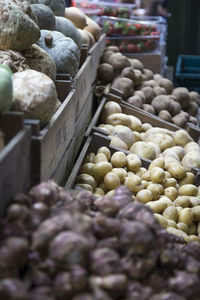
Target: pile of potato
x=129, y=133
x=166, y=187
x=148, y=91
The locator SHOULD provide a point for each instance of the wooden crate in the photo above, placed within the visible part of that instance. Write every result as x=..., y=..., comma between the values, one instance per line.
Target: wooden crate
x=49, y=143
x=145, y=117
x=92, y=144
x=116, y=95
x=14, y=158
x=96, y=52
x=63, y=86
x=152, y=61
x=82, y=85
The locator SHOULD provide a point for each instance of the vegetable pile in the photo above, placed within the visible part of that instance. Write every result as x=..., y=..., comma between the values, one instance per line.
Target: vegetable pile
x=165, y=186
x=146, y=90
x=70, y=245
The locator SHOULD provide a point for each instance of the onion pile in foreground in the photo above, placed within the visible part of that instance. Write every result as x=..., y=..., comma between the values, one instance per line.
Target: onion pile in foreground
x=58, y=244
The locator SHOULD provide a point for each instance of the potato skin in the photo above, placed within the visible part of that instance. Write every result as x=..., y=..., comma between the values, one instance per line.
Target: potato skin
x=165, y=115
x=161, y=102
x=105, y=73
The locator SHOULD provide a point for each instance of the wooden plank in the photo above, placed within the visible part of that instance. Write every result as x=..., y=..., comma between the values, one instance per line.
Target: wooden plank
x=65, y=165
x=52, y=141
x=152, y=61
x=83, y=122
x=11, y=123
x=67, y=161
x=92, y=144
x=96, y=52
x=15, y=167
x=63, y=88
x=82, y=85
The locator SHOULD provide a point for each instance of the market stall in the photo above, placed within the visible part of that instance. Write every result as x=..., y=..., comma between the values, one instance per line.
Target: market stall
x=99, y=157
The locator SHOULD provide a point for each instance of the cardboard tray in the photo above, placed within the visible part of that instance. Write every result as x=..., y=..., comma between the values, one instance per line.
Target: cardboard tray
x=15, y=158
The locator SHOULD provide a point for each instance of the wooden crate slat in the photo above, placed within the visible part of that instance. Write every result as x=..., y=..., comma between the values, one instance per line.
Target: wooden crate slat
x=15, y=167
x=96, y=52
x=82, y=85
x=52, y=141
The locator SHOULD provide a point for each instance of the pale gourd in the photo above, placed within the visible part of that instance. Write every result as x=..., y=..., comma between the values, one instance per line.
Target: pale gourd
x=39, y=60
x=69, y=30
x=18, y=30
x=45, y=16
x=93, y=28
x=57, y=6
x=35, y=95
x=6, y=89
x=62, y=49
x=76, y=16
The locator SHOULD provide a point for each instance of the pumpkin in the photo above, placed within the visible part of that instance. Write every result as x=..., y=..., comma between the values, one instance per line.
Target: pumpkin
x=69, y=30
x=18, y=30
x=62, y=49
x=38, y=59
x=45, y=16
x=76, y=15
x=6, y=89
x=35, y=95
x=93, y=28
x=14, y=60
x=57, y=6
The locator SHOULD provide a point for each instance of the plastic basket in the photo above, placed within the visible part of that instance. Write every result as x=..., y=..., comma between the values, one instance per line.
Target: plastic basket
x=187, y=72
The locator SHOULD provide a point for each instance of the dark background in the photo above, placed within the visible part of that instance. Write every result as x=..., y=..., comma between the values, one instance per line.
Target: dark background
x=183, y=29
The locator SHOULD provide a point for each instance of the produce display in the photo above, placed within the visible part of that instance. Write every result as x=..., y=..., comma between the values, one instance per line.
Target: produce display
x=105, y=8
x=73, y=245
x=120, y=26
x=134, y=44
x=166, y=186
x=146, y=90
x=129, y=227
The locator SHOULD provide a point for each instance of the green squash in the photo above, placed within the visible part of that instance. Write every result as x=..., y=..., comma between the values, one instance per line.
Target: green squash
x=69, y=30
x=57, y=6
x=6, y=88
x=62, y=49
x=18, y=30
x=45, y=16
